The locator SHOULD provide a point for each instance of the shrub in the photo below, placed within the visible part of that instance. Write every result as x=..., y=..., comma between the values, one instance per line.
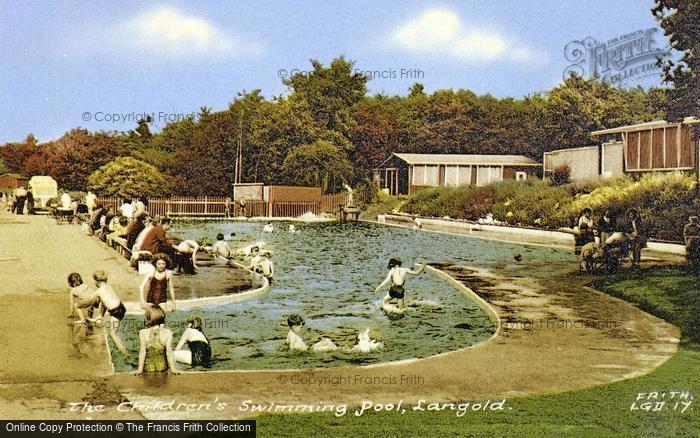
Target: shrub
x=128, y=177
x=477, y=203
x=561, y=175
x=531, y=202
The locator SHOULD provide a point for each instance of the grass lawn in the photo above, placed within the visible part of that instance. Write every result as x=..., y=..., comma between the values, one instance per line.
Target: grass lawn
x=607, y=410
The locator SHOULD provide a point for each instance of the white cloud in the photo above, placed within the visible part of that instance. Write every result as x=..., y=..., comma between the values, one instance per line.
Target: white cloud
x=171, y=33
x=441, y=31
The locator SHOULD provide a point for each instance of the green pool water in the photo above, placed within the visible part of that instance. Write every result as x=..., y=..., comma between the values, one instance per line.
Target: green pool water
x=327, y=273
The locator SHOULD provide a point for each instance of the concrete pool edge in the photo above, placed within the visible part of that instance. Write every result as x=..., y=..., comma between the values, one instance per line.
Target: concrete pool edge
x=525, y=235
x=134, y=307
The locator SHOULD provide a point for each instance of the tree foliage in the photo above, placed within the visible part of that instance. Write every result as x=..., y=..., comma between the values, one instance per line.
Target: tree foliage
x=128, y=178
x=681, y=21
x=318, y=164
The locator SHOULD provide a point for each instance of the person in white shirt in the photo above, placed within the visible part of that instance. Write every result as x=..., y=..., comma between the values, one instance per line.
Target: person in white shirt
x=221, y=248
x=127, y=210
x=90, y=201
x=66, y=201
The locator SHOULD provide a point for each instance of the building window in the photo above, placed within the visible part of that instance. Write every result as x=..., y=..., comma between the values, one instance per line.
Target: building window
x=488, y=174
x=432, y=176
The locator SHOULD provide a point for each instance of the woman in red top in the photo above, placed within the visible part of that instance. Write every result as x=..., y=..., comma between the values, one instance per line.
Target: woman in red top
x=157, y=285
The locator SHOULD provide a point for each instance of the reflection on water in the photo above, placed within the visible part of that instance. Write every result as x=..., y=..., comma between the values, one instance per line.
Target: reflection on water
x=327, y=273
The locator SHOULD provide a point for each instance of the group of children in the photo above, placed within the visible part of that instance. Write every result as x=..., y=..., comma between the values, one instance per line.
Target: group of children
x=96, y=306
x=396, y=277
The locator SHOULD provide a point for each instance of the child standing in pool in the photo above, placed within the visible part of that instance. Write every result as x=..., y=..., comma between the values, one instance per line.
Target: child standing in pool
x=82, y=298
x=397, y=278
x=111, y=308
x=157, y=285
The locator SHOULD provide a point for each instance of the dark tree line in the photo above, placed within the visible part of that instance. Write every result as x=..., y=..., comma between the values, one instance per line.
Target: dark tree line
x=327, y=130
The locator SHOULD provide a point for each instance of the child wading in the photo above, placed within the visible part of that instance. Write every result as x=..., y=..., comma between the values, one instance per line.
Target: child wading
x=397, y=277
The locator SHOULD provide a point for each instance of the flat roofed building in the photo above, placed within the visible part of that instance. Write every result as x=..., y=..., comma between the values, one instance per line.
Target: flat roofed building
x=408, y=173
x=657, y=146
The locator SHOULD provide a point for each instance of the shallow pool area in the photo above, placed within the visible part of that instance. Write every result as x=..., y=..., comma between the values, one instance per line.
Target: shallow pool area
x=327, y=273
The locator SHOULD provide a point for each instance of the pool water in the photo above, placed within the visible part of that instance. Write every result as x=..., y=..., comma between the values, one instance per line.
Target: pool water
x=327, y=273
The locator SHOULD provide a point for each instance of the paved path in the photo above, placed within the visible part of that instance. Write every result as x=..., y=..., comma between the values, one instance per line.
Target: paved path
x=556, y=335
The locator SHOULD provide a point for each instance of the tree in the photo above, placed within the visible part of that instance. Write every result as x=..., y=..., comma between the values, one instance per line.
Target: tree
x=79, y=153
x=207, y=167
x=128, y=178
x=277, y=128
x=15, y=155
x=331, y=92
x=317, y=164
x=680, y=20
x=3, y=167
x=374, y=135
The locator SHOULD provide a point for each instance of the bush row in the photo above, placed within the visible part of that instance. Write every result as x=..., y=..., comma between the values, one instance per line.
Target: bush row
x=664, y=200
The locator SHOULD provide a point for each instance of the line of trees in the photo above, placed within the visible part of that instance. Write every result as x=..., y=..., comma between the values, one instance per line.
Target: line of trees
x=327, y=130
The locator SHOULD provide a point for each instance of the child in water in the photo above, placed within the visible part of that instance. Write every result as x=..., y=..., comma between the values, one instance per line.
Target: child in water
x=397, y=277
x=113, y=308
x=198, y=352
x=82, y=298
x=295, y=342
x=221, y=248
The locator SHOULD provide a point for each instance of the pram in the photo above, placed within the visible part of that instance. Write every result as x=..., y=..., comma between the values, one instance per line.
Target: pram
x=609, y=257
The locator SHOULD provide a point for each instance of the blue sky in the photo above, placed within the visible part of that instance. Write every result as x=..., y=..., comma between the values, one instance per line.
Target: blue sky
x=62, y=59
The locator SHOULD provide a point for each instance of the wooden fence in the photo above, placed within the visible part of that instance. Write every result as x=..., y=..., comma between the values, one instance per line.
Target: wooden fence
x=332, y=203
x=216, y=206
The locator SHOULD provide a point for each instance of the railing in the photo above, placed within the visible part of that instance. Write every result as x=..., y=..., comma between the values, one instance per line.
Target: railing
x=216, y=206
x=114, y=203
x=252, y=208
x=332, y=203
x=294, y=209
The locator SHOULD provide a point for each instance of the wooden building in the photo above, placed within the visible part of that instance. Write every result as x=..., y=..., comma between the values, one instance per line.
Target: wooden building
x=408, y=173
x=10, y=181
x=657, y=146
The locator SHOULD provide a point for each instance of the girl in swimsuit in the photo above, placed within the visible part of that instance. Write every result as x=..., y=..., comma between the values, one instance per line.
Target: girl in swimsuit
x=156, y=286
x=155, y=344
x=198, y=351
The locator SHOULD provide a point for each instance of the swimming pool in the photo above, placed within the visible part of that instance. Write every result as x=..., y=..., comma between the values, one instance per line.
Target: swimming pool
x=327, y=273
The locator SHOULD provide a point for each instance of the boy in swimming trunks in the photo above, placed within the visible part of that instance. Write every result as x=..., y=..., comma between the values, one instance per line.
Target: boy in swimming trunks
x=111, y=307
x=81, y=297
x=397, y=277
x=187, y=257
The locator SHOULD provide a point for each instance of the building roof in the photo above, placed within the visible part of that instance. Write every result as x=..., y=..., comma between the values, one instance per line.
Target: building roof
x=656, y=124
x=468, y=159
